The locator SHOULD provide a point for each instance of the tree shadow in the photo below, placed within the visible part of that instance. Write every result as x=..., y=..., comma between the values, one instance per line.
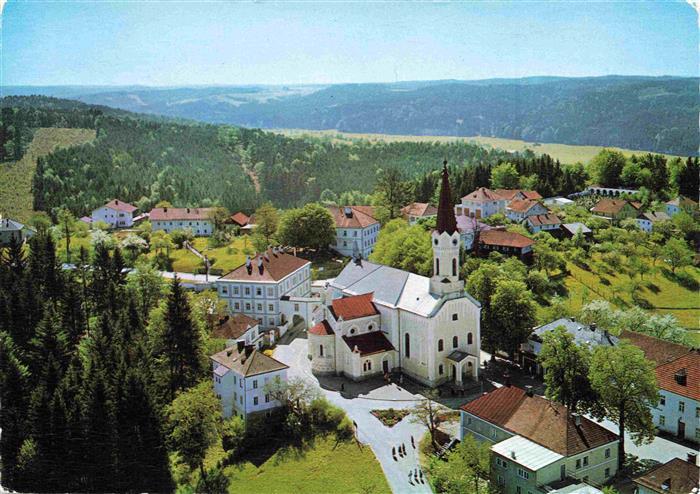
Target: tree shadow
x=682, y=278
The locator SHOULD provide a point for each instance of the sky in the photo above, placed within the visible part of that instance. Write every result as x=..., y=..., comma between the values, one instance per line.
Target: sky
x=171, y=43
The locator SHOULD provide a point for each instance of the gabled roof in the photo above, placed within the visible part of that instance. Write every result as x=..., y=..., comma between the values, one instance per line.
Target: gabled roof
x=181, y=214
x=510, y=194
x=6, y=224
x=353, y=307
x=322, y=329
x=421, y=209
x=655, y=349
x=544, y=219
x=353, y=216
x=275, y=266
x=527, y=453
x=574, y=228
x=654, y=216
x=682, y=201
x=609, y=206
x=522, y=206
x=235, y=326
x=504, y=238
x=689, y=366
x=582, y=333
x=482, y=194
x=118, y=205
x=249, y=362
x=369, y=343
x=674, y=477
x=542, y=421
x=239, y=218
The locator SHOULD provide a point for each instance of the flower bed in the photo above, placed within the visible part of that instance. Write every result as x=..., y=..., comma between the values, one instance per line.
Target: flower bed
x=390, y=417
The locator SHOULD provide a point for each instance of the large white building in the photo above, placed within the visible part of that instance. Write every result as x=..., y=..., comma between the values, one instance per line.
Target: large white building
x=355, y=229
x=273, y=288
x=481, y=203
x=170, y=219
x=428, y=328
x=116, y=213
x=242, y=376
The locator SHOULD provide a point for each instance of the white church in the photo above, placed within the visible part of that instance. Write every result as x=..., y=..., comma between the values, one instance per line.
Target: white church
x=377, y=319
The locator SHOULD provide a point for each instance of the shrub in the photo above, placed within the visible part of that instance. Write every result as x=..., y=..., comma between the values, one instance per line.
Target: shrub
x=179, y=236
x=345, y=430
x=325, y=415
x=538, y=282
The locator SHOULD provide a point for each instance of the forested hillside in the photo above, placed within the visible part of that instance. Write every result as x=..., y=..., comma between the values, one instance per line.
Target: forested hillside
x=646, y=113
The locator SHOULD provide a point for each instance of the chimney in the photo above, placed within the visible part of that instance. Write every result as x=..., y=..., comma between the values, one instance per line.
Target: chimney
x=248, y=349
x=577, y=419
x=692, y=457
x=188, y=210
x=529, y=392
x=240, y=345
x=248, y=265
x=116, y=201
x=681, y=377
x=165, y=210
x=261, y=267
x=593, y=326
x=573, y=319
x=348, y=211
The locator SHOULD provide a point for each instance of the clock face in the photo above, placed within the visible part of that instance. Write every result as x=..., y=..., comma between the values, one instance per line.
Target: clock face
x=454, y=241
x=436, y=241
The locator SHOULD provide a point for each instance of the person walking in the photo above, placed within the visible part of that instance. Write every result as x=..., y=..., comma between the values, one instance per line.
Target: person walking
x=413, y=443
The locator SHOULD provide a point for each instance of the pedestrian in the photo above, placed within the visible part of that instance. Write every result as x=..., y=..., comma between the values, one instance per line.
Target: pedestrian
x=413, y=443
x=410, y=477
x=403, y=446
x=393, y=451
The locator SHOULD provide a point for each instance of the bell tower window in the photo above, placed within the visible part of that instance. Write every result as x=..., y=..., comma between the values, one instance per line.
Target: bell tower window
x=454, y=266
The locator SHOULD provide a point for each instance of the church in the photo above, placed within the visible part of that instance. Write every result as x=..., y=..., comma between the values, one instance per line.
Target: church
x=377, y=319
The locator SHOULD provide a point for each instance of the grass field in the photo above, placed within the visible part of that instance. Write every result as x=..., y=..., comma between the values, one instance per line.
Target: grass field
x=660, y=291
x=563, y=152
x=16, y=177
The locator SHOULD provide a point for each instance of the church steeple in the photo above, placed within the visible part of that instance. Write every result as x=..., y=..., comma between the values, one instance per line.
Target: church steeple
x=446, y=221
x=446, y=244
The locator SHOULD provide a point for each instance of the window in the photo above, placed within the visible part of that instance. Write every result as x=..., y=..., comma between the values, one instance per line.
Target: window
x=501, y=481
x=255, y=400
x=455, y=342
x=607, y=472
x=270, y=307
x=441, y=346
x=523, y=474
x=407, y=346
x=267, y=398
x=224, y=289
x=455, y=317
x=662, y=420
x=607, y=452
x=247, y=306
x=454, y=266
x=247, y=290
x=296, y=307
x=681, y=406
x=441, y=370
x=469, y=339
x=240, y=400
x=368, y=365
x=269, y=292
x=370, y=327
x=320, y=351
x=255, y=384
x=518, y=490
x=235, y=290
x=240, y=383
x=578, y=464
x=469, y=421
x=585, y=461
x=697, y=412
x=258, y=291
x=237, y=306
x=493, y=432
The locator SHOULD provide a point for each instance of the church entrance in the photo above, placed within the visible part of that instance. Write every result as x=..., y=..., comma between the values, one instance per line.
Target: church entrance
x=454, y=373
x=385, y=366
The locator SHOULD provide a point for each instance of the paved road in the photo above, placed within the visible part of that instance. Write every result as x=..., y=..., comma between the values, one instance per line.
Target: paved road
x=371, y=431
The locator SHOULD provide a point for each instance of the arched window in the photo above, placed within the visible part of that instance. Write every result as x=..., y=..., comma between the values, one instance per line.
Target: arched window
x=455, y=342
x=407, y=346
x=441, y=369
x=369, y=365
x=441, y=346
x=320, y=350
x=437, y=267
x=454, y=266
x=469, y=339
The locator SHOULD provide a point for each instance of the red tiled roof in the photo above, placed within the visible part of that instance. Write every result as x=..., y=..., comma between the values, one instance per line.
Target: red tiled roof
x=689, y=366
x=241, y=219
x=657, y=350
x=369, y=343
x=509, y=194
x=544, y=219
x=677, y=476
x=504, y=238
x=542, y=421
x=354, y=307
x=235, y=327
x=609, y=206
x=118, y=205
x=636, y=204
x=322, y=329
x=482, y=194
x=419, y=209
x=164, y=214
x=275, y=266
x=521, y=206
x=353, y=216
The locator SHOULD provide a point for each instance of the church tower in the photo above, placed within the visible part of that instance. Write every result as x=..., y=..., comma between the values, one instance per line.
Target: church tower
x=446, y=244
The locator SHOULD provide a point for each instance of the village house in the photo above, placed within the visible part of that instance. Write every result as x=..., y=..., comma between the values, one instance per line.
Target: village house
x=569, y=230
x=646, y=221
x=432, y=323
x=583, y=334
x=518, y=194
x=681, y=203
x=273, y=288
x=241, y=374
x=543, y=222
x=481, y=203
x=418, y=210
x=469, y=228
x=537, y=444
x=518, y=210
x=355, y=228
x=677, y=476
x=169, y=219
x=11, y=229
x=116, y=213
x=239, y=327
x=239, y=219
x=678, y=377
x=507, y=243
x=614, y=209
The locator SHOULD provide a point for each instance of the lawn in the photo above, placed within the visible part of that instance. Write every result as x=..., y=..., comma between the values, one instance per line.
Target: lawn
x=16, y=177
x=660, y=291
x=563, y=152
x=224, y=258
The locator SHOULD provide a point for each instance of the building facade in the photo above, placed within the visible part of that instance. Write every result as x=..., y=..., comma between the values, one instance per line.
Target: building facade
x=678, y=412
x=646, y=221
x=170, y=219
x=680, y=203
x=481, y=203
x=506, y=243
x=116, y=213
x=543, y=223
x=418, y=211
x=520, y=209
x=355, y=228
x=11, y=229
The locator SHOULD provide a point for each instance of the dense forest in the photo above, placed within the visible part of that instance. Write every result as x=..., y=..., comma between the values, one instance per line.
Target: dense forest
x=656, y=114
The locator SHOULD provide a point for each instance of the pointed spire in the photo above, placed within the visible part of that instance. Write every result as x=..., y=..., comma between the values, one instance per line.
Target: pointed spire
x=446, y=221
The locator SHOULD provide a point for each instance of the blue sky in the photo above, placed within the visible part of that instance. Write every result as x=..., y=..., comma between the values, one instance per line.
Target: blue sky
x=187, y=43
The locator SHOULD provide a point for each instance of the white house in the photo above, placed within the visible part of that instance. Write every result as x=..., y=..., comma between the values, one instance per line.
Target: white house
x=116, y=213
x=170, y=219
x=519, y=209
x=543, y=222
x=239, y=327
x=355, y=228
x=10, y=229
x=678, y=412
x=273, y=288
x=241, y=376
x=680, y=203
x=432, y=323
x=481, y=203
x=646, y=221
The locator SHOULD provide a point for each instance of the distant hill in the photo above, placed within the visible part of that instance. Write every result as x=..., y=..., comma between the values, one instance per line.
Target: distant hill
x=647, y=113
